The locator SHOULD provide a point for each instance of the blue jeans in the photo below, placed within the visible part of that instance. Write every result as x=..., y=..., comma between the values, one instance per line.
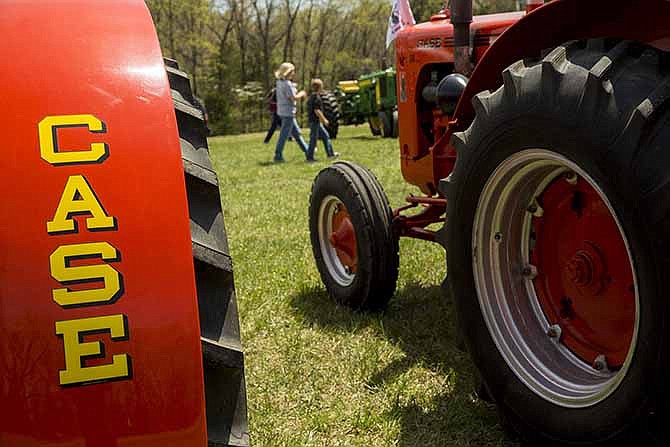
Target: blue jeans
x=289, y=126
x=317, y=131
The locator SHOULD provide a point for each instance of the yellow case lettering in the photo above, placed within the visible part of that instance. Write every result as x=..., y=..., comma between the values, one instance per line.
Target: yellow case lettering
x=79, y=198
x=77, y=350
x=62, y=271
x=48, y=128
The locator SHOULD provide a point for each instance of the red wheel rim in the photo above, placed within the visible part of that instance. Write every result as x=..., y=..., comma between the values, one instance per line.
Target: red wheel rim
x=545, y=231
x=343, y=238
x=584, y=282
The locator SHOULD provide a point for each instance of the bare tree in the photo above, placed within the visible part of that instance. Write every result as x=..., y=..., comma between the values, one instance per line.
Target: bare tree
x=170, y=27
x=221, y=28
x=196, y=18
x=264, y=15
x=322, y=31
x=291, y=14
x=306, y=39
x=239, y=16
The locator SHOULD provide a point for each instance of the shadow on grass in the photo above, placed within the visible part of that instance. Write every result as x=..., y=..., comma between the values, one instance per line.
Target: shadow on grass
x=268, y=163
x=360, y=137
x=423, y=324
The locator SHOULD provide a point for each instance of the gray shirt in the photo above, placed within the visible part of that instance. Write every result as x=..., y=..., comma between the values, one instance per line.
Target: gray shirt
x=285, y=91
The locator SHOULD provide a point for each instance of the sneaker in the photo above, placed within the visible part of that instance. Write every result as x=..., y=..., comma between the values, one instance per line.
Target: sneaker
x=335, y=155
x=278, y=160
x=311, y=160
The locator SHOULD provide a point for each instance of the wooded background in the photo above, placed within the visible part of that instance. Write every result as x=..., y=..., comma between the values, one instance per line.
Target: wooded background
x=232, y=47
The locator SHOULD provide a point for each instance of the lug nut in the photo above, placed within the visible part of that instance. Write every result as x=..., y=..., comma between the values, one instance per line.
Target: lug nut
x=554, y=331
x=600, y=363
x=570, y=177
x=529, y=271
x=347, y=269
x=535, y=209
x=498, y=237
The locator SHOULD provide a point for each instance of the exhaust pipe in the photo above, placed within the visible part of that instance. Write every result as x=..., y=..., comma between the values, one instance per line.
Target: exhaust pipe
x=461, y=18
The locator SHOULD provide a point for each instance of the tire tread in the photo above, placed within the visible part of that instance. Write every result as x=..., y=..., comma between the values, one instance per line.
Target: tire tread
x=223, y=360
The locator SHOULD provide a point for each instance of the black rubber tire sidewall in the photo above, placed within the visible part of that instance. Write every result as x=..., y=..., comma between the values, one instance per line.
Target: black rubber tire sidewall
x=387, y=124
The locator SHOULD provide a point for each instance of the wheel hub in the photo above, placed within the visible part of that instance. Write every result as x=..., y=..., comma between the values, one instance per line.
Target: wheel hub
x=584, y=276
x=343, y=238
x=337, y=240
x=580, y=269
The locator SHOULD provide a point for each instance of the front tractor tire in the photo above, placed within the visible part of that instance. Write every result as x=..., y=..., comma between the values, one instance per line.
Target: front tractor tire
x=558, y=241
x=353, y=240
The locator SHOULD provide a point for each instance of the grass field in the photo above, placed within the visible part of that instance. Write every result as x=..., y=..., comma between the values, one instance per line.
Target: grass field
x=319, y=374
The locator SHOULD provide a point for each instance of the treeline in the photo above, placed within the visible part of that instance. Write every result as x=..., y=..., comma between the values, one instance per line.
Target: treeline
x=231, y=47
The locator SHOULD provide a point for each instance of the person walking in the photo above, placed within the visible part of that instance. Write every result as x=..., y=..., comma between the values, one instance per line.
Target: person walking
x=275, y=120
x=287, y=97
x=317, y=121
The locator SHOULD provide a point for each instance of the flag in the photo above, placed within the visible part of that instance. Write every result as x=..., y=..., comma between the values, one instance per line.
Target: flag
x=401, y=16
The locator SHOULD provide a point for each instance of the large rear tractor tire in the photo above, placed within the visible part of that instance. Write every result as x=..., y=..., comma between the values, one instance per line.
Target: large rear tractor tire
x=223, y=359
x=559, y=241
x=353, y=240
x=331, y=110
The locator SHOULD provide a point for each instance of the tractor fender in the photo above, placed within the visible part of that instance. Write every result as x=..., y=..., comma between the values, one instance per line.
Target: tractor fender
x=560, y=21
x=99, y=332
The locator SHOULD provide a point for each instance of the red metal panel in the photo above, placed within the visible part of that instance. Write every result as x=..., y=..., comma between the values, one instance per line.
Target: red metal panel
x=100, y=58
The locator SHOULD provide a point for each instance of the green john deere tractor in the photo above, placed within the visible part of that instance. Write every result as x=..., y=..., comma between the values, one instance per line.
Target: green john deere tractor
x=371, y=98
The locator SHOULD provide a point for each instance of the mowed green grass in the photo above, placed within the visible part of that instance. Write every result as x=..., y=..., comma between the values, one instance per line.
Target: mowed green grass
x=319, y=374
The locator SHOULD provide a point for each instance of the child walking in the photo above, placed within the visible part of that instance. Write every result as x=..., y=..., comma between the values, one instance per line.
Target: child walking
x=317, y=120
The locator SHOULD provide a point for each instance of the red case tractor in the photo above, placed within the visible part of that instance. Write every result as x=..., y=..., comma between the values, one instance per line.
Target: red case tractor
x=116, y=327
x=540, y=138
